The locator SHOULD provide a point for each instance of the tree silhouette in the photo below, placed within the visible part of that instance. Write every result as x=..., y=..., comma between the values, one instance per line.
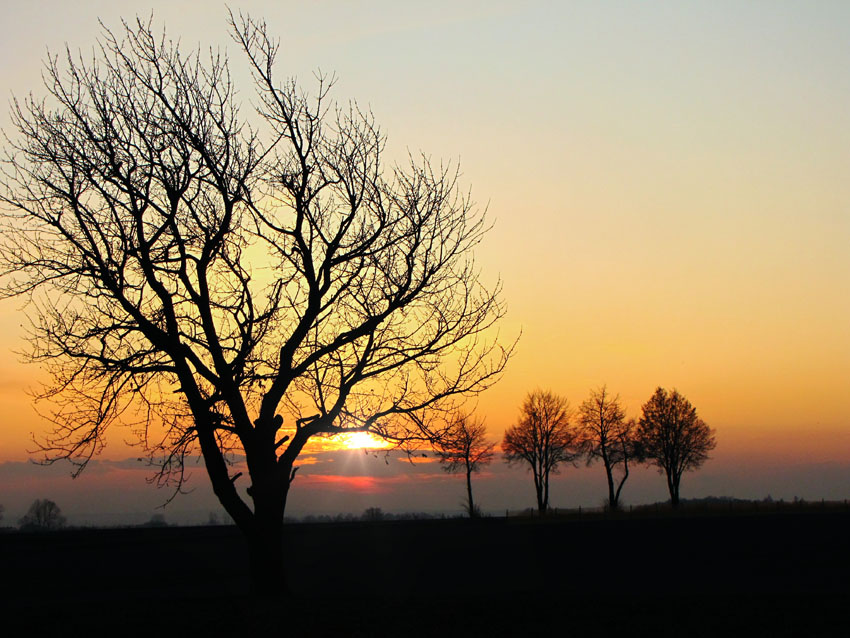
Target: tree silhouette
x=156, y=520
x=43, y=515
x=606, y=435
x=465, y=447
x=373, y=514
x=544, y=438
x=234, y=286
x=673, y=437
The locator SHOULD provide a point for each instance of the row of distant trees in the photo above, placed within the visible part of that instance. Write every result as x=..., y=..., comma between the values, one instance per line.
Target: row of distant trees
x=668, y=435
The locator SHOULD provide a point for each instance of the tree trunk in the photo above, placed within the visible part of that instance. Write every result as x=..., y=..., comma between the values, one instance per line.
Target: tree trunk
x=265, y=540
x=541, y=500
x=267, y=569
x=612, y=497
x=470, y=506
x=673, y=486
x=622, y=480
x=542, y=485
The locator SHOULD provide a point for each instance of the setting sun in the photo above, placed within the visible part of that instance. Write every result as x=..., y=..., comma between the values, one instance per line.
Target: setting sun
x=359, y=441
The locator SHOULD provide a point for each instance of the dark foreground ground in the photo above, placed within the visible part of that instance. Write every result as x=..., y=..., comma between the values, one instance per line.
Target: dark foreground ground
x=761, y=574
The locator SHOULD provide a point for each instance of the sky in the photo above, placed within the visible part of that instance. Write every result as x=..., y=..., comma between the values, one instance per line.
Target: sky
x=671, y=206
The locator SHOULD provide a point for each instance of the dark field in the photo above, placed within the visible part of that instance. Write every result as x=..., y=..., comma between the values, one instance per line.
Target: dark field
x=771, y=574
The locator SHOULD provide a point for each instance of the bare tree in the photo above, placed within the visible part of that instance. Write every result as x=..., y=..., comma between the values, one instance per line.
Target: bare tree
x=231, y=286
x=43, y=515
x=544, y=438
x=156, y=520
x=606, y=435
x=673, y=437
x=465, y=447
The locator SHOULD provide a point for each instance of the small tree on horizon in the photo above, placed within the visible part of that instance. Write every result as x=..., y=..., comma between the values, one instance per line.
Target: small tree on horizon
x=373, y=514
x=465, y=447
x=544, y=438
x=156, y=520
x=673, y=437
x=606, y=435
x=43, y=515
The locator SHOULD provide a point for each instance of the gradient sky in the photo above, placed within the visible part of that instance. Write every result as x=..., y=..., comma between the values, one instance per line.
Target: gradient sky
x=669, y=185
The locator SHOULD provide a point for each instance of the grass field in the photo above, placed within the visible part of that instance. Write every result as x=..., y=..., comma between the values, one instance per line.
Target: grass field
x=771, y=572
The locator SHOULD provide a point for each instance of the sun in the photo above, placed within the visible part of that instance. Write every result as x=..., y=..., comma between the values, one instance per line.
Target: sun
x=347, y=441
x=360, y=440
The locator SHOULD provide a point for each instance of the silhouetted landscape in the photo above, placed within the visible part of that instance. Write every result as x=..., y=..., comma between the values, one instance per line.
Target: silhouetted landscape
x=778, y=569
x=238, y=273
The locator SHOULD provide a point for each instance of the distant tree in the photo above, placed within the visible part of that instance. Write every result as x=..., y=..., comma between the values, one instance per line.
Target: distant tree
x=606, y=435
x=234, y=282
x=43, y=515
x=156, y=520
x=544, y=438
x=465, y=447
x=673, y=437
x=373, y=514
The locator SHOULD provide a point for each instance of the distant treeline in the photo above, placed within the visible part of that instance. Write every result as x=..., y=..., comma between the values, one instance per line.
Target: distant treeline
x=692, y=506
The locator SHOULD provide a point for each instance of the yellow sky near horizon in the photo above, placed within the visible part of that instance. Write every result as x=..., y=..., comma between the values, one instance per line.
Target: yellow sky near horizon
x=669, y=186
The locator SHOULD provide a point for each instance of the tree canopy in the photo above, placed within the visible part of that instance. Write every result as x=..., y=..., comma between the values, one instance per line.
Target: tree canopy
x=673, y=437
x=43, y=515
x=465, y=447
x=605, y=435
x=544, y=438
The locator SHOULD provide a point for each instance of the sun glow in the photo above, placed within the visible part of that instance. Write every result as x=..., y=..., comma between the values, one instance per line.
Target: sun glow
x=359, y=441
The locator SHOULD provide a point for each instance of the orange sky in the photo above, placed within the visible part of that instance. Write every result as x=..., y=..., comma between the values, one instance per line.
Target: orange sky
x=669, y=185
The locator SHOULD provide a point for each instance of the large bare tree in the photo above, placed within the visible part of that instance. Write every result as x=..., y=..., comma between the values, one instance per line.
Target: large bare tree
x=465, y=447
x=606, y=435
x=544, y=438
x=232, y=283
x=673, y=437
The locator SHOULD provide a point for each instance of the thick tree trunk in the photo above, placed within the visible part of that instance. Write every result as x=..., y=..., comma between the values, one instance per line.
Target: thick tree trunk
x=541, y=483
x=673, y=486
x=265, y=539
x=267, y=568
x=262, y=527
